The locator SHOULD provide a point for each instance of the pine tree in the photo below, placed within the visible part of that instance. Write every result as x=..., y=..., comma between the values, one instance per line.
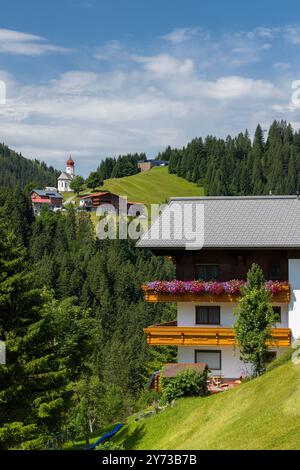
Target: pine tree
x=275, y=180
x=258, y=141
x=33, y=383
x=291, y=184
x=94, y=180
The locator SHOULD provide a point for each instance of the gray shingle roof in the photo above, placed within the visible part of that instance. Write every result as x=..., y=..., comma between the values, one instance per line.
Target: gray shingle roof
x=64, y=176
x=233, y=222
x=42, y=192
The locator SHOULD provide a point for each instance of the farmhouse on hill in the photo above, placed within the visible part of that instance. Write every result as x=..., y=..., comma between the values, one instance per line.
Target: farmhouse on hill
x=48, y=197
x=238, y=231
x=94, y=200
x=145, y=165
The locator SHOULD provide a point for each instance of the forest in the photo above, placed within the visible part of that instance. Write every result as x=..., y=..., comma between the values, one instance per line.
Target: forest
x=17, y=170
x=72, y=317
x=124, y=165
x=236, y=166
x=239, y=166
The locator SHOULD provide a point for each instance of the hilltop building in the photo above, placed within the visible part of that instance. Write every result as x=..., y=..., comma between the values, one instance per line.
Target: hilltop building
x=64, y=179
x=238, y=231
x=145, y=165
x=94, y=200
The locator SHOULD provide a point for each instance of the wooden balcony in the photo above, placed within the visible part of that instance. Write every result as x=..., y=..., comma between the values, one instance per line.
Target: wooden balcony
x=150, y=296
x=169, y=334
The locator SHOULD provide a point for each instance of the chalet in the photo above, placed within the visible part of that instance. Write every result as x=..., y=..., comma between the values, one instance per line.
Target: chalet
x=49, y=198
x=94, y=200
x=145, y=165
x=238, y=231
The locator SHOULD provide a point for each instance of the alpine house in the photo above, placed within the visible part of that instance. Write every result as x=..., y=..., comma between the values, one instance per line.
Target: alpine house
x=233, y=233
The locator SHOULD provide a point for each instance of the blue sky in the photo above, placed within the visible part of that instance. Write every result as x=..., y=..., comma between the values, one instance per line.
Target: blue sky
x=100, y=78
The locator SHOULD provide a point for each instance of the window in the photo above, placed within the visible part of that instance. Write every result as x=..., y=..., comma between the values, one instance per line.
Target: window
x=274, y=272
x=211, y=358
x=207, y=315
x=277, y=311
x=207, y=272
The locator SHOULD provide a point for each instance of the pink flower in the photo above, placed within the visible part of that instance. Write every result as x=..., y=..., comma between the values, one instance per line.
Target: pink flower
x=195, y=287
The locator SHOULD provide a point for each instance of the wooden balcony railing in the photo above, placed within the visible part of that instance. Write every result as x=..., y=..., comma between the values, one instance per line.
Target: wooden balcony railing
x=169, y=334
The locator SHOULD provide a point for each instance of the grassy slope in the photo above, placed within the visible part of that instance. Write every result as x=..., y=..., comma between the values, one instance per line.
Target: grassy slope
x=154, y=186
x=260, y=414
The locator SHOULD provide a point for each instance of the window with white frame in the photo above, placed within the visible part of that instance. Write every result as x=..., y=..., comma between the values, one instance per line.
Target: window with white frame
x=211, y=358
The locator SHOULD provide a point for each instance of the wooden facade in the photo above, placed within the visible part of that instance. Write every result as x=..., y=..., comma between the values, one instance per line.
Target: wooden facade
x=233, y=264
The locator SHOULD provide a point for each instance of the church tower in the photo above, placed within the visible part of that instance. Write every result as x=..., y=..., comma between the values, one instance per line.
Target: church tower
x=65, y=178
x=70, y=168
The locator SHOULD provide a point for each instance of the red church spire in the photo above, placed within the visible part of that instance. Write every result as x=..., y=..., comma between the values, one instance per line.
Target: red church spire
x=70, y=161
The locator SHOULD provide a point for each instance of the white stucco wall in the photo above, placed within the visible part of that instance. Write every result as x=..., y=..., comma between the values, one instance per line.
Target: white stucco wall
x=63, y=185
x=294, y=306
x=186, y=313
x=231, y=365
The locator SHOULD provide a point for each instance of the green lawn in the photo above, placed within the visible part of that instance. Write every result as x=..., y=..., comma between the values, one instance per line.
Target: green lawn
x=153, y=186
x=67, y=194
x=79, y=443
x=260, y=414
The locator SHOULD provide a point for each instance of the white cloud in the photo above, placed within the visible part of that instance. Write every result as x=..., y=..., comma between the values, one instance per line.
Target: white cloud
x=281, y=65
x=19, y=43
x=93, y=115
x=164, y=65
x=110, y=50
x=143, y=102
x=235, y=87
x=266, y=46
x=290, y=33
x=180, y=35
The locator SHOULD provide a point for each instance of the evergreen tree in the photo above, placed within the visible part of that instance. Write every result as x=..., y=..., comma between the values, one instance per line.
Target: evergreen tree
x=77, y=184
x=15, y=170
x=94, y=180
x=254, y=317
x=291, y=184
x=33, y=383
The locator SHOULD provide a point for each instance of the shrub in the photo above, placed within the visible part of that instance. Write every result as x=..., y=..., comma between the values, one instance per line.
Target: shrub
x=188, y=383
x=285, y=357
x=110, y=445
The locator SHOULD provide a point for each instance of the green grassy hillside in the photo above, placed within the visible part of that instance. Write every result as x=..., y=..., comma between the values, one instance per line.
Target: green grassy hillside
x=260, y=414
x=153, y=186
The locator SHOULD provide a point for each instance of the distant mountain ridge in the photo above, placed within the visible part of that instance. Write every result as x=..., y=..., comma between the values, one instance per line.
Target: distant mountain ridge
x=16, y=170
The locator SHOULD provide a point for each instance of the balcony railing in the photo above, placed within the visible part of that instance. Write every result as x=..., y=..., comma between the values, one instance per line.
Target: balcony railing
x=169, y=334
x=193, y=291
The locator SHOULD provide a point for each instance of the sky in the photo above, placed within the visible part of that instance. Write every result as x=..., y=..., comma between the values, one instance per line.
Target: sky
x=95, y=78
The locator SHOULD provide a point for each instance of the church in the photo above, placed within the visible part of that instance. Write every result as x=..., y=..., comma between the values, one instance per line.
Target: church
x=66, y=177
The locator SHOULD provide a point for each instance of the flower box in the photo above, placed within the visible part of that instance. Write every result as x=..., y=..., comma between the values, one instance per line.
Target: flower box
x=211, y=291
